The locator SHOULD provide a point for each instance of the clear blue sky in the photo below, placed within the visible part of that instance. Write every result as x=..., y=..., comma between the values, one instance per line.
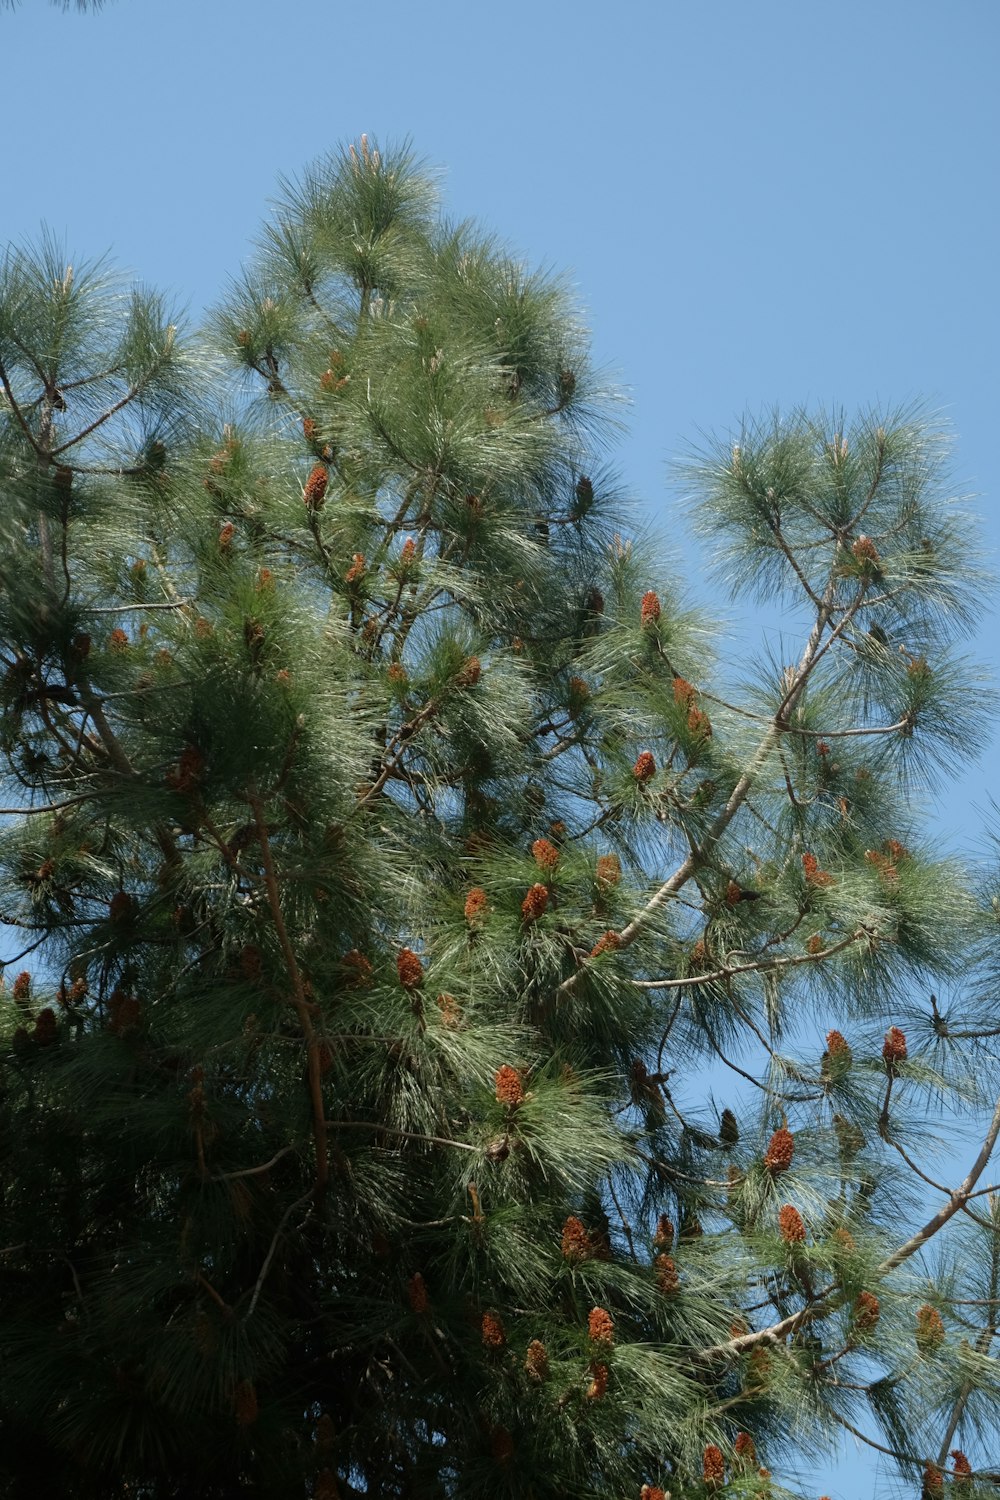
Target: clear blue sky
x=757, y=201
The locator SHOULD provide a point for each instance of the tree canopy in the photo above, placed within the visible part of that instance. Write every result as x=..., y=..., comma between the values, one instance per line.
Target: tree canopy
x=386, y=863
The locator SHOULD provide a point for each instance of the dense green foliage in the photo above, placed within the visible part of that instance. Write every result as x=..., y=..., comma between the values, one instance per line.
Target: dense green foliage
x=383, y=869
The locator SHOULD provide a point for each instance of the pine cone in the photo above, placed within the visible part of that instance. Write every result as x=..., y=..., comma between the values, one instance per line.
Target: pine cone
x=493, y=1332
x=475, y=905
x=645, y=767
x=745, y=1448
x=576, y=1243
x=930, y=1332
x=536, y=1361
x=600, y=1326
x=509, y=1087
x=781, y=1149
x=245, y=1404
x=314, y=491
x=545, y=854
x=410, y=969
x=663, y=1239
x=534, y=904
x=667, y=1275
x=866, y=1312
x=790, y=1225
x=713, y=1467
x=649, y=612
x=607, y=943
x=894, y=1048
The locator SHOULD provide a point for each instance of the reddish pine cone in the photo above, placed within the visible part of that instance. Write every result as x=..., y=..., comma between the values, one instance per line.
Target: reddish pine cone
x=609, y=870
x=894, y=1047
x=734, y=893
x=314, y=491
x=713, y=1466
x=358, y=568
x=962, y=1467
x=245, y=1404
x=838, y=1051
x=451, y=1011
x=417, y=1291
x=359, y=969
x=745, y=1448
x=118, y=640
x=668, y=1277
x=866, y=1312
x=790, y=1225
x=864, y=550
x=536, y=1361
x=607, y=943
x=930, y=1333
x=579, y=691
x=933, y=1484
x=46, y=1031
x=699, y=724
x=501, y=1445
x=663, y=1239
x=600, y=1326
x=534, y=903
x=545, y=854
x=470, y=673
x=576, y=1243
x=410, y=969
x=123, y=1013
x=509, y=1087
x=598, y=1386
x=779, y=1153
x=649, y=612
x=408, y=552
x=652, y=1492
x=645, y=767
x=844, y=1240
x=494, y=1333
x=226, y=536
x=814, y=875
x=475, y=905
x=120, y=906
x=814, y=944
x=21, y=989
x=684, y=693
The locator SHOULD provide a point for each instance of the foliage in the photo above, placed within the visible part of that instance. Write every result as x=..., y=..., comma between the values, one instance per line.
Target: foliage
x=387, y=866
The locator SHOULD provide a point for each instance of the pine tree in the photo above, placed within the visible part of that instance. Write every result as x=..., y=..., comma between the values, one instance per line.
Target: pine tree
x=384, y=865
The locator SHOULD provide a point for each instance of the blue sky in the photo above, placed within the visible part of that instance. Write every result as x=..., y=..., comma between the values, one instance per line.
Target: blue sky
x=757, y=201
